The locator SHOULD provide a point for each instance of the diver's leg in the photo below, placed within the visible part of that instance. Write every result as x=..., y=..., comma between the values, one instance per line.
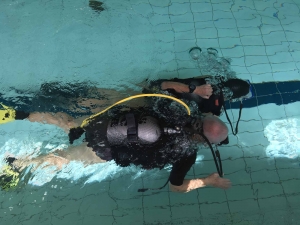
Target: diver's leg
x=80, y=153
x=49, y=160
x=111, y=97
x=59, y=119
x=59, y=158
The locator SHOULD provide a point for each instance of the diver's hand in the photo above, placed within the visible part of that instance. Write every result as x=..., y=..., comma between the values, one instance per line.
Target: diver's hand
x=216, y=181
x=204, y=91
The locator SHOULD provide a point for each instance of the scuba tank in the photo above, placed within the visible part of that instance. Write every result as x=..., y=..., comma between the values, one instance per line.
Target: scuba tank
x=145, y=130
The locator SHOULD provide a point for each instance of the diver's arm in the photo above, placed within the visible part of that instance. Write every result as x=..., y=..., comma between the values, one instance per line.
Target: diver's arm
x=204, y=91
x=212, y=180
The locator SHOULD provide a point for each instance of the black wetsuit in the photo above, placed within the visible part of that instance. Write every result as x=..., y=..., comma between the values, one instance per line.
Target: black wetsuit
x=211, y=105
x=175, y=149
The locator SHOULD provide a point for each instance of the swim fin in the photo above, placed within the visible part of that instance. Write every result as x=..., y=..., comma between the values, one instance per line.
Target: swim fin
x=7, y=114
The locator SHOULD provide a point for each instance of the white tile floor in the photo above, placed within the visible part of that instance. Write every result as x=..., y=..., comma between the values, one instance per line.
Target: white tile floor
x=50, y=40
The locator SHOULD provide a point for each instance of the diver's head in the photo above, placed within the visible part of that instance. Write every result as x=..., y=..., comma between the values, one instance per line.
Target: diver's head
x=213, y=128
x=9, y=178
x=238, y=87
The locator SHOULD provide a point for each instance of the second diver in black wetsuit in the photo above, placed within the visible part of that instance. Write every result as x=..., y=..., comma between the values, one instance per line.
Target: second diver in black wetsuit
x=208, y=92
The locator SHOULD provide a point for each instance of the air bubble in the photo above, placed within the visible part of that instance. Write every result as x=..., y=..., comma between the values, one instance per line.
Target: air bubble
x=195, y=53
x=212, y=51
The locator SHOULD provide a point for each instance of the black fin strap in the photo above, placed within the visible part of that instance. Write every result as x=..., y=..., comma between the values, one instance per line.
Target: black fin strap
x=220, y=161
x=132, y=132
x=10, y=160
x=20, y=115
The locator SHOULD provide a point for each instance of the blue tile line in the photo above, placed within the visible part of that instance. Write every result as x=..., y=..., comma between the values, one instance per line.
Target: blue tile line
x=270, y=92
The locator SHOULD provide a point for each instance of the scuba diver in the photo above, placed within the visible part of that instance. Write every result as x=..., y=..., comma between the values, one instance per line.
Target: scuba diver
x=208, y=92
x=140, y=136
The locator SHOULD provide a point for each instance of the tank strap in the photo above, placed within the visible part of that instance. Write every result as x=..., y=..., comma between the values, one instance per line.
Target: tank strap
x=132, y=131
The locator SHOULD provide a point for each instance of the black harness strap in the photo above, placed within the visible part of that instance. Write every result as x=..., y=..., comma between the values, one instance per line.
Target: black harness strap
x=215, y=155
x=237, y=123
x=132, y=131
x=234, y=132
